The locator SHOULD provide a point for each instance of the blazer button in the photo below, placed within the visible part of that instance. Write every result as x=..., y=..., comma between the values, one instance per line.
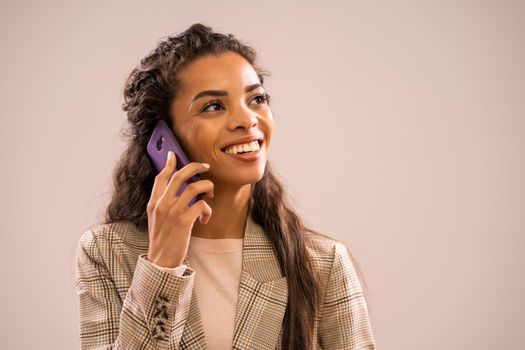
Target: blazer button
x=159, y=333
x=161, y=299
x=161, y=307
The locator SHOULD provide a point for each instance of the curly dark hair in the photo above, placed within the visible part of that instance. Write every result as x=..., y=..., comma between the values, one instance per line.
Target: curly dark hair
x=149, y=90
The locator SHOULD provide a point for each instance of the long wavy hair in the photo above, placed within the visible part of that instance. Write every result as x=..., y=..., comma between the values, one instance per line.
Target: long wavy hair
x=148, y=93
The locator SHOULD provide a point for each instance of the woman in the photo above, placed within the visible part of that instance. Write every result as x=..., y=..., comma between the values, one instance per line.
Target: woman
x=259, y=279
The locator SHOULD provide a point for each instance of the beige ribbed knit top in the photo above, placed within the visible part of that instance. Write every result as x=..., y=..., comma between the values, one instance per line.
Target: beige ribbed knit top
x=217, y=264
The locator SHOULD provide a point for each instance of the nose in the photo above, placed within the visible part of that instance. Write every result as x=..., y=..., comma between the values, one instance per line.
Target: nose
x=245, y=118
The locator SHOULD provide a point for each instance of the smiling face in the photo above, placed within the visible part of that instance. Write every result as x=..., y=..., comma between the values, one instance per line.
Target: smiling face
x=206, y=122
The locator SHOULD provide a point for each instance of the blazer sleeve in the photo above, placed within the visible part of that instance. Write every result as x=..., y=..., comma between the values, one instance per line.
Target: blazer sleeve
x=344, y=322
x=179, y=270
x=153, y=313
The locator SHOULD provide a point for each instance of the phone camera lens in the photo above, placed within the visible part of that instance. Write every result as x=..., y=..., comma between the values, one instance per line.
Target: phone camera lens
x=160, y=142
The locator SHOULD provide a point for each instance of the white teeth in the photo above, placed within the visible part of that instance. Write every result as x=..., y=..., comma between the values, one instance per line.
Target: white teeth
x=247, y=147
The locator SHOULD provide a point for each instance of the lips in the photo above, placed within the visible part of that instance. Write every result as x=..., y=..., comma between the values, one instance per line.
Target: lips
x=243, y=141
x=248, y=157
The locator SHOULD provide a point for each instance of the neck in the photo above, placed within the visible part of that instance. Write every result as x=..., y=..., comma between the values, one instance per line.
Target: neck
x=230, y=207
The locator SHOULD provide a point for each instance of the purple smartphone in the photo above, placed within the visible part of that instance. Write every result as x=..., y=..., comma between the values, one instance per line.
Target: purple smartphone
x=163, y=140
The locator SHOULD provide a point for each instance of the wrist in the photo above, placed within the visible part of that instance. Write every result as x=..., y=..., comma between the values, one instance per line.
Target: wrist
x=165, y=264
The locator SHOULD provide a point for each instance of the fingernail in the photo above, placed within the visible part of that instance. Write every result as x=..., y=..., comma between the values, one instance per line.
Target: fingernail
x=169, y=156
x=206, y=165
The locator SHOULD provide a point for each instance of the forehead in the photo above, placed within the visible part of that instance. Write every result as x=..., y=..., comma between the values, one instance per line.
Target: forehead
x=226, y=71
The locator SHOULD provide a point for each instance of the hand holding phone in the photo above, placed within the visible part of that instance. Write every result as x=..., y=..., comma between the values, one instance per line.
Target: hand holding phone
x=162, y=141
x=170, y=219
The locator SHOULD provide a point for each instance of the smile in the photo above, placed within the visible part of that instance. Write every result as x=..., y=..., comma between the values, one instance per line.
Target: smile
x=243, y=148
x=252, y=153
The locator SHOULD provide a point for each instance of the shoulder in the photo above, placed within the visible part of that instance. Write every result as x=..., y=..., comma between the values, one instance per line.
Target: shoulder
x=322, y=247
x=330, y=256
x=105, y=233
x=323, y=252
x=117, y=237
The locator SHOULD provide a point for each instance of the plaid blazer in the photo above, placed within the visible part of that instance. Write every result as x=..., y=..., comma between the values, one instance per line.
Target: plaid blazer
x=125, y=302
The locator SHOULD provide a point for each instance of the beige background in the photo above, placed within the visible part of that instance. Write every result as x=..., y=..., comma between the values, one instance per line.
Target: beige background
x=400, y=131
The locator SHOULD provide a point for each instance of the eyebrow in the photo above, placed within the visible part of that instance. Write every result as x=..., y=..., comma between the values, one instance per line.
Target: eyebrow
x=222, y=92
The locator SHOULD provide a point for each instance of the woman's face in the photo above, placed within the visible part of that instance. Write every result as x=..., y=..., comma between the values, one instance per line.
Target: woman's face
x=205, y=123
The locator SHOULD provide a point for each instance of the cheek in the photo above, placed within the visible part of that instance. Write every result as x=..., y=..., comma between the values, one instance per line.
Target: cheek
x=202, y=145
x=268, y=120
x=268, y=129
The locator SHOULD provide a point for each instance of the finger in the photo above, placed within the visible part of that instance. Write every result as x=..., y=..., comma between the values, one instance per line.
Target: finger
x=181, y=176
x=193, y=189
x=163, y=177
x=200, y=210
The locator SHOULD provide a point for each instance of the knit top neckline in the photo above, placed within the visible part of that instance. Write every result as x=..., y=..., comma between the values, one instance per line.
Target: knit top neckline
x=220, y=245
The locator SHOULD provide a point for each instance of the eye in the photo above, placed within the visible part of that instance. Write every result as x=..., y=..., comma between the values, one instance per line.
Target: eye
x=211, y=103
x=263, y=98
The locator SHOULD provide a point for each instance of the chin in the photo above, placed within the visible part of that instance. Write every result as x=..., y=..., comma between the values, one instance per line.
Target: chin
x=240, y=176
x=245, y=179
